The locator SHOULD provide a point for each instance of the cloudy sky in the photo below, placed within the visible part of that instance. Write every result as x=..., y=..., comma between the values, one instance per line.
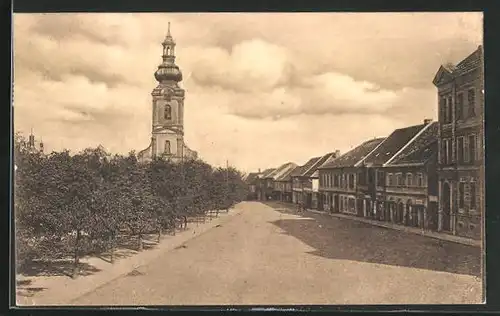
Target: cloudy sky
x=261, y=89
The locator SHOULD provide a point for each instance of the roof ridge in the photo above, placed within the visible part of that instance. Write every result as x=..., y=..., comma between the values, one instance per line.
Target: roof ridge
x=312, y=159
x=371, y=152
x=408, y=143
x=319, y=160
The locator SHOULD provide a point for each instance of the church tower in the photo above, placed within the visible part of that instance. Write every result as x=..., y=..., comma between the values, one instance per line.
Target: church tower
x=168, y=110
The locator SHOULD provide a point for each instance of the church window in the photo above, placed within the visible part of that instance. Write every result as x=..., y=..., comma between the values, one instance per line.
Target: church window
x=167, y=147
x=168, y=51
x=168, y=112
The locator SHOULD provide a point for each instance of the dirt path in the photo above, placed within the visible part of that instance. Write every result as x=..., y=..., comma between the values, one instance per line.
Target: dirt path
x=263, y=256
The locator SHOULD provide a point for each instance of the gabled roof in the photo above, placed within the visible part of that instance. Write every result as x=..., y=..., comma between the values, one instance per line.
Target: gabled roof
x=317, y=164
x=420, y=150
x=471, y=62
x=444, y=74
x=449, y=71
x=392, y=144
x=278, y=172
x=297, y=171
x=286, y=176
x=352, y=157
x=267, y=173
x=251, y=177
x=307, y=166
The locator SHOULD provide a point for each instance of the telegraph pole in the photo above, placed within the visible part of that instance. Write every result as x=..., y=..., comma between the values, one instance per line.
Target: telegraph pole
x=227, y=186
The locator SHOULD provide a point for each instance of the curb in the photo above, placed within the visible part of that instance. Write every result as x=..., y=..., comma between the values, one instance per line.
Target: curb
x=127, y=267
x=455, y=239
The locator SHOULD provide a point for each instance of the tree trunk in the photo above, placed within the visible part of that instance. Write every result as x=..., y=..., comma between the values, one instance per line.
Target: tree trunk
x=159, y=233
x=76, y=260
x=141, y=247
x=112, y=248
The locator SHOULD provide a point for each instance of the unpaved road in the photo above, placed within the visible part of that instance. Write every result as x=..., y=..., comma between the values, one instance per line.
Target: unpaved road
x=268, y=256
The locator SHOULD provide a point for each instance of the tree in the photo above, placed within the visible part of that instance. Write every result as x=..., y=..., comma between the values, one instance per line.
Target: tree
x=138, y=198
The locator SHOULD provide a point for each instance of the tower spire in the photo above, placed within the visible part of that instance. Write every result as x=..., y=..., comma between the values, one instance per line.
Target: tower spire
x=168, y=31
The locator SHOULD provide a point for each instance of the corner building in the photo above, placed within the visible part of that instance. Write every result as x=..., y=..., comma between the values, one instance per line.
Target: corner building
x=461, y=138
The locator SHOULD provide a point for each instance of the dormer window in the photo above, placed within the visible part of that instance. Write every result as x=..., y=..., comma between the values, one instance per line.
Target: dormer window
x=168, y=112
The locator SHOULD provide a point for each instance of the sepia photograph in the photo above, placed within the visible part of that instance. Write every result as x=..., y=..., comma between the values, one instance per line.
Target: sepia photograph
x=196, y=159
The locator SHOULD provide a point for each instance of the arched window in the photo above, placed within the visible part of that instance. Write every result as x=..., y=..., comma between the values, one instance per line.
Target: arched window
x=168, y=112
x=167, y=147
x=168, y=51
x=409, y=179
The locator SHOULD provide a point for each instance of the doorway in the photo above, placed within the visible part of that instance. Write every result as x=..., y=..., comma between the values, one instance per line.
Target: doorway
x=446, y=206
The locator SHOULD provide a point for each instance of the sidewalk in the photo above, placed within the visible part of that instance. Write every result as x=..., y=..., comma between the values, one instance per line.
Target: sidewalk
x=61, y=290
x=412, y=230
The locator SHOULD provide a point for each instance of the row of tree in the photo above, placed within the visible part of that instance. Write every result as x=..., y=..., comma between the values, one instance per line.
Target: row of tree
x=73, y=205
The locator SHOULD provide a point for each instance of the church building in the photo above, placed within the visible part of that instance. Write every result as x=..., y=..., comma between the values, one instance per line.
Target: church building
x=167, y=139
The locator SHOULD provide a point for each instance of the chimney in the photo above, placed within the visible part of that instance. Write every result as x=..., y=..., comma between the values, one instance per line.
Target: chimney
x=427, y=121
x=259, y=170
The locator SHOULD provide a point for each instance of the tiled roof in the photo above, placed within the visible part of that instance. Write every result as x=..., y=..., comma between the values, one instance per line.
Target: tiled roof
x=297, y=171
x=278, y=173
x=392, y=144
x=267, y=173
x=421, y=149
x=251, y=177
x=472, y=61
x=350, y=158
x=317, y=164
x=308, y=166
x=287, y=176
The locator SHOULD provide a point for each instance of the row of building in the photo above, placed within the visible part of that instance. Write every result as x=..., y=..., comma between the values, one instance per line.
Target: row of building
x=429, y=175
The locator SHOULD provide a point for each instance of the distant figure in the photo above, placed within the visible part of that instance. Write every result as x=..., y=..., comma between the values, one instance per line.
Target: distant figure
x=300, y=207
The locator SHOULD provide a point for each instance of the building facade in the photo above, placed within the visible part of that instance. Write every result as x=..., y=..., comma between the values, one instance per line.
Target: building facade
x=251, y=181
x=265, y=185
x=460, y=91
x=277, y=177
x=283, y=185
x=302, y=183
x=338, y=183
x=310, y=180
x=372, y=177
x=411, y=183
x=167, y=139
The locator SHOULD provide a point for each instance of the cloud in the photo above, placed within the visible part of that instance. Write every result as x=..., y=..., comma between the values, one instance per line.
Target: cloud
x=261, y=89
x=251, y=66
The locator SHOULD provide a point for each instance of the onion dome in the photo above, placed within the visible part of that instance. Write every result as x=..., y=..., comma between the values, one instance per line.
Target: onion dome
x=168, y=70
